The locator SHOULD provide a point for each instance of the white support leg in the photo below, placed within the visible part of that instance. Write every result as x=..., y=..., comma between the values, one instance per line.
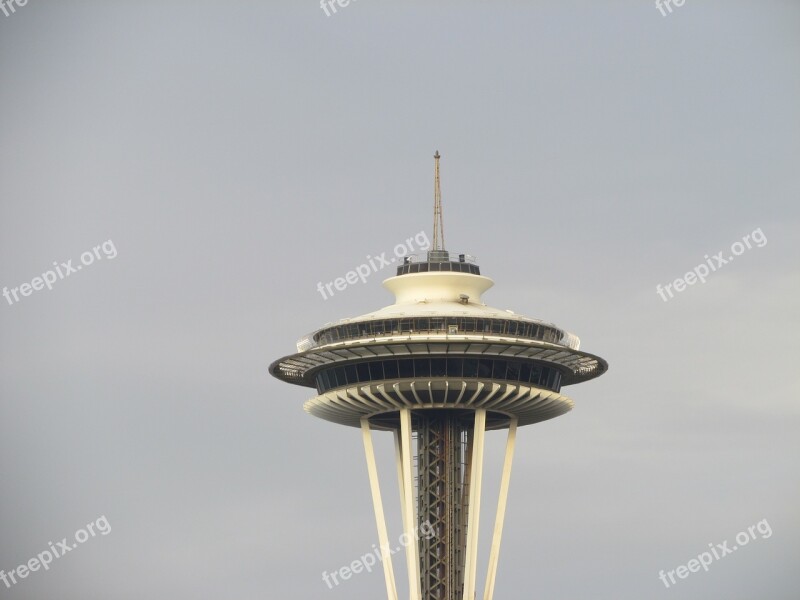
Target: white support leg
x=380, y=518
x=494, y=555
x=398, y=457
x=476, y=473
x=409, y=507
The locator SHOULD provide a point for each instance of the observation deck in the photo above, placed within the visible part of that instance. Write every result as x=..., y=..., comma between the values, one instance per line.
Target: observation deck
x=439, y=346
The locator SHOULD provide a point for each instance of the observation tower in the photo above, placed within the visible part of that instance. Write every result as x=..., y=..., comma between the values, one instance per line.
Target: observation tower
x=438, y=369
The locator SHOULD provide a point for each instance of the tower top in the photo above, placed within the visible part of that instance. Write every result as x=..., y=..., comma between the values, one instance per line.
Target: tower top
x=438, y=223
x=437, y=258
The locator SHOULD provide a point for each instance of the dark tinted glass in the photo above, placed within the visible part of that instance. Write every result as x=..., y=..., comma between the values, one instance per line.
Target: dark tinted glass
x=390, y=369
x=485, y=368
x=363, y=371
x=406, y=367
x=340, y=378
x=438, y=367
x=470, y=367
x=376, y=370
x=499, y=371
x=512, y=373
x=422, y=367
x=454, y=367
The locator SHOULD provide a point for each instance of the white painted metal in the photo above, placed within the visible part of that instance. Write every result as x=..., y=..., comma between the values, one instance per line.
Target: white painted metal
x=476, y=473
x=409, y=508
x=494, y=554
x=380, y=518
x=440, y=291
x=398, y=456
x=530, y=404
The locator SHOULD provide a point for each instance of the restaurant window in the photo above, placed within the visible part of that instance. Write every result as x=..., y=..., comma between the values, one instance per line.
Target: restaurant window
x=438, y=367
x=422, y=367
x=375, y=370
x=406, y=367
x=390, y=369
x=455, y=367
x=499, y=371
x=470, y=367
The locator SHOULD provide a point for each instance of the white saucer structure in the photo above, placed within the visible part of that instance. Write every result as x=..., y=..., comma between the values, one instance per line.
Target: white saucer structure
x=439, y=368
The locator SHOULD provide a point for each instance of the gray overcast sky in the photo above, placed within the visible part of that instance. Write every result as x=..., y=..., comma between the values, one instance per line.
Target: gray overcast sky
x=239, y=153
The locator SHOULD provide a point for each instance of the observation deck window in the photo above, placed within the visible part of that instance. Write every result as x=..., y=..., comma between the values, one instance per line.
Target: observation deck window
x=464, y=366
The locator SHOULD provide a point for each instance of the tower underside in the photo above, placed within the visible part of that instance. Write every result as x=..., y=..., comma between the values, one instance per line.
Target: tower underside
x=380, y=402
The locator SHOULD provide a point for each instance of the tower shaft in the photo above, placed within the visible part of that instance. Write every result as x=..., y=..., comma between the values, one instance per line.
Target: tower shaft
x=440, y=500
x=442, y=493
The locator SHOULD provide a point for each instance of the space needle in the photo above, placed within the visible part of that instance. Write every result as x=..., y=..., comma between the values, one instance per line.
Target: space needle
x=438, y=369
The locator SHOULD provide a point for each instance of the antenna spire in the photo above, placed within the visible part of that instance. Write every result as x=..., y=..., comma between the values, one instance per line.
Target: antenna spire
x=438, y=223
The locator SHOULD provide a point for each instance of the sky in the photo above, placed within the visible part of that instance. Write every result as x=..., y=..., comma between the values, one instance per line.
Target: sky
x=208, y=164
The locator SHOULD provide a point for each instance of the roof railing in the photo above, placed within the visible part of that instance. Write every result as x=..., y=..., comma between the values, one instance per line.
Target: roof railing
x=439, y=256
x=363, y=330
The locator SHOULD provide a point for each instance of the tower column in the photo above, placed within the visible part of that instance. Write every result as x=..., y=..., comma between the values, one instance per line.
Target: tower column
x=441, y=461
x=475, y=477
x=494, y=554
x=408, y=505
x=380, y=518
